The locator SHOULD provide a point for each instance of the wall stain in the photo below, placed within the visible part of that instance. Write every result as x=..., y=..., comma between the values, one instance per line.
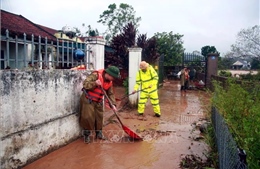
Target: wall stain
x=6, y=80
x=18, y=84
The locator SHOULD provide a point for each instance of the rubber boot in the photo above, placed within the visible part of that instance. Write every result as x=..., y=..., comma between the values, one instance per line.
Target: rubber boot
x=140, y=116
x=86, y=134
x=100, y=135
x=157, y=115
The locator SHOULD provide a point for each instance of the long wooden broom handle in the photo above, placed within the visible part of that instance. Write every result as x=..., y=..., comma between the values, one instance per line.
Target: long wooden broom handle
x=110, y=103
x=133, y=93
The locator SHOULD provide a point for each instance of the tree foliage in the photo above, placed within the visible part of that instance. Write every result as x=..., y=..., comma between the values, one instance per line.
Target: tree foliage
x=255, y=64
x=149, y=48
x=117, y=18
x=225, y=63
x=208, y=49
x=89, y=32
x=121, y=42
x=247, y=43
x=92, y=32
x=171, y=46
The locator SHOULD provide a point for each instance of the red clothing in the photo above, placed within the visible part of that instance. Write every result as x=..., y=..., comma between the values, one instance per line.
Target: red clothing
x=97, y=94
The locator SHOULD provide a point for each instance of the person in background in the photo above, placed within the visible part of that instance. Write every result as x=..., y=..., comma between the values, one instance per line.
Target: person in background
x=80, y=67
x=147, y=79
x=8, y=67
x=30, y=66
x=91, y=101
x=36, y=66
x=192, y=75
x=184, y=78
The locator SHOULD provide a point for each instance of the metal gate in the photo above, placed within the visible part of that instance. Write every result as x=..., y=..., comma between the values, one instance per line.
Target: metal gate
x=161, y=69
x=198, y=62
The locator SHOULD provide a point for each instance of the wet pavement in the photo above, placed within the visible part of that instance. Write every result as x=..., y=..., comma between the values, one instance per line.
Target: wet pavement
x=165, y=140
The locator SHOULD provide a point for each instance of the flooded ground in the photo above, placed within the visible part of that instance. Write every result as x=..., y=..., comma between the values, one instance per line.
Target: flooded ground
x=242, y=72
x=166, y=140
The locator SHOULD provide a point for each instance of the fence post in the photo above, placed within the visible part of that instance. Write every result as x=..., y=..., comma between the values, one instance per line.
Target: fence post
x=72, y=57
x=62, y=55
x=161, y=70
x=46, y=63
x=212, y=67
x=7, y=61
x=25, y=51
x=52, y=58
x=39, y=52
x=16, y=51
x=32, y=51
x=242, y=158
x=57, y=54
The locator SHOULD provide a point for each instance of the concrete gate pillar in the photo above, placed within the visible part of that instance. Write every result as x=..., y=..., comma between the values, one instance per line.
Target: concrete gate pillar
x=212, y=67
x=95, y=53
x=135, y=56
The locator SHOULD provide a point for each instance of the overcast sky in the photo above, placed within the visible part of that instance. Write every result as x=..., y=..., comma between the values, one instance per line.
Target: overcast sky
x=202, y=22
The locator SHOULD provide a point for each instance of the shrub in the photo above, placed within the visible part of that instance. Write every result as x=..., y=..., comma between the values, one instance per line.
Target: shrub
x=125, y=84
x=251, y=77
x=225, y=73
x=241, y=109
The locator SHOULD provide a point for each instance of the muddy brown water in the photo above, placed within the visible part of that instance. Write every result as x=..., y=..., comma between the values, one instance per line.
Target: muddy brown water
x=165, y=140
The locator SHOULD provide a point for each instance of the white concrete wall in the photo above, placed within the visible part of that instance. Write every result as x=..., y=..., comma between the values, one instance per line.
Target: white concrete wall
x=135, y=56
x=39, y=109
x=38, y=113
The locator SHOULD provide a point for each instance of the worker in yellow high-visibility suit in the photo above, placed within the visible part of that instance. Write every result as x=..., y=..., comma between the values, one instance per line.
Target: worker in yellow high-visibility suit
x=147, y=79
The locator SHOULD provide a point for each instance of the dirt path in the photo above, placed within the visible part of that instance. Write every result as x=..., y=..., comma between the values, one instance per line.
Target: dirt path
x=166, y=139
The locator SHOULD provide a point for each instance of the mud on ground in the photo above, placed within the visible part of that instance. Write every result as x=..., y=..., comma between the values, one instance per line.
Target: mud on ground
x=166, y=140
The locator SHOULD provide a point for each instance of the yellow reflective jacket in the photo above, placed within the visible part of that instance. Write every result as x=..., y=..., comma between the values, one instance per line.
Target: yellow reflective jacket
x=145, y=79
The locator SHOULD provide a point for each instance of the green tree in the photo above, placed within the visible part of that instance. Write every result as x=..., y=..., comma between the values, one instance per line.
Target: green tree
x=208, y=49
x=92, y=32
x=255, y=64
x=247, y=43
x=88, y=32
x=120, y=43
x=117, y=18
x=225, y=63
x=171, y=46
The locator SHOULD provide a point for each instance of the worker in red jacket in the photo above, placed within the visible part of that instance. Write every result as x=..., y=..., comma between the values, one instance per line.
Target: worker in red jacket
x=91, y=101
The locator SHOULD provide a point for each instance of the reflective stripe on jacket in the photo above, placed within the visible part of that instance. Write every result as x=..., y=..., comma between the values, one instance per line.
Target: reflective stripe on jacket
x=145, y=79
x=96, y=94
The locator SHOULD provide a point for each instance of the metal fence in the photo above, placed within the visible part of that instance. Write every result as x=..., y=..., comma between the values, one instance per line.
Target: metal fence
x=42, y=53
x=194, y=59
x=230, y=156
x=161, y=69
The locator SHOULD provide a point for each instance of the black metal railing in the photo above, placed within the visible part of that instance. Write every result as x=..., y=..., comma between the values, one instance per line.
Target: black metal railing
x=229, y=154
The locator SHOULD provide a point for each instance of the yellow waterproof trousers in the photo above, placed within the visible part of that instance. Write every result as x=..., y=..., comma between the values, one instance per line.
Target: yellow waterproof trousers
x=153, y=95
